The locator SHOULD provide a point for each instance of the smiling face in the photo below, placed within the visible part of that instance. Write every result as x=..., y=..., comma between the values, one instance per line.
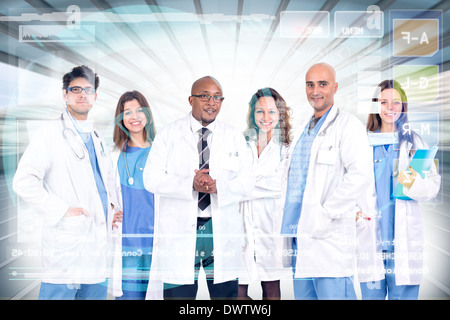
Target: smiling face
x=80, y=104
x=205, y=111
x=390, y=109
x=321, y=87
x=134, y=118
x=267, y=115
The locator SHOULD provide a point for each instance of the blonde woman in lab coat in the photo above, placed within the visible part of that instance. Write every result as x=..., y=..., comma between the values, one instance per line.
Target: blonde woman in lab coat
x=267, y=136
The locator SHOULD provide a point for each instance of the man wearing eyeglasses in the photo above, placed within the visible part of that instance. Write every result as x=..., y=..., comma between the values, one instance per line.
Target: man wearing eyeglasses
x=63, y=177
x=198, y=168
x=80, y=96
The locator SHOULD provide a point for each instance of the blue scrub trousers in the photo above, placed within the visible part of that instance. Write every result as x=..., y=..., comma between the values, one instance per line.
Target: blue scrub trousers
x=323, y=288
x=51, y=291
x=377, y=290
x=135, y=275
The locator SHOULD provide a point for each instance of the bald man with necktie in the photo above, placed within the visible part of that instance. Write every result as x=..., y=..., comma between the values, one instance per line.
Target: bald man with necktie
x=199, y=169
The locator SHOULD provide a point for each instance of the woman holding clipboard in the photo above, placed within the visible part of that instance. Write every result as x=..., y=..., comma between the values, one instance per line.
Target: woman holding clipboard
x=399, y=222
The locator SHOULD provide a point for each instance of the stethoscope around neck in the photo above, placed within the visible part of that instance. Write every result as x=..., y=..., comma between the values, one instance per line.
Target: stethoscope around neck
x=324, y=131
x=71, y=137
x=130, y=177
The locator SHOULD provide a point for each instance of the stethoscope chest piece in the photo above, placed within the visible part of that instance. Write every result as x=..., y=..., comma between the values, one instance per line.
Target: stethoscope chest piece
x=130, y=177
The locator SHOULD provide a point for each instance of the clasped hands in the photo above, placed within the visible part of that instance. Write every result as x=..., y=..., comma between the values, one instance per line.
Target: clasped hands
x=203, y=182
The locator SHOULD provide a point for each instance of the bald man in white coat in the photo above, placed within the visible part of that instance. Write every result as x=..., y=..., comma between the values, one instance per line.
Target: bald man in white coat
x=328, y=168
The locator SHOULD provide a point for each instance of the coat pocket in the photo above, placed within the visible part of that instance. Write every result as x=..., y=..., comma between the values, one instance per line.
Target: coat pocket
x=229, y=162
x=314, y=224
x=75, y=226
x=328, y=155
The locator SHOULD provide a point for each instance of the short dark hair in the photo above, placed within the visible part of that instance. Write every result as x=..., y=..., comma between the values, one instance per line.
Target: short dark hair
x=81, y=72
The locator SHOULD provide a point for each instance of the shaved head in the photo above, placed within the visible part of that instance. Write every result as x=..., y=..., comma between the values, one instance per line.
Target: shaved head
x=205, y=111
x=200, y=81
x=321, y=87
x=323, y=66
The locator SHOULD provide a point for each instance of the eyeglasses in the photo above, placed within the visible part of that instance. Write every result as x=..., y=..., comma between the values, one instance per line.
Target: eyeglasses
x=205, y=97
x=78, y=90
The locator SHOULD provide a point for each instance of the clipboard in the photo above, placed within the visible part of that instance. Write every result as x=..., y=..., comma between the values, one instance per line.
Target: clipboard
x=421, y=163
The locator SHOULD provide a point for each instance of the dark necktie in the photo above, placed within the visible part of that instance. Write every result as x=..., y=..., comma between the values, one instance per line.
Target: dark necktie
x=204, y=199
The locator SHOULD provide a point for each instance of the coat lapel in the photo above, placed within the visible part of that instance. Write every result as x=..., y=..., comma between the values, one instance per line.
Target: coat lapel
x=100, y=152
x=81, y=158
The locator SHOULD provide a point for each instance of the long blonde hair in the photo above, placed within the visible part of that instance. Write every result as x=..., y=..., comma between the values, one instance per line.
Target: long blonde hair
x=284, y=123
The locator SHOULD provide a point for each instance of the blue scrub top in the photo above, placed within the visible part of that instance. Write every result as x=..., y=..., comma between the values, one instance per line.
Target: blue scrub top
x=137, y=202
x=89, y=143
x=384, y=157
x=298, y=172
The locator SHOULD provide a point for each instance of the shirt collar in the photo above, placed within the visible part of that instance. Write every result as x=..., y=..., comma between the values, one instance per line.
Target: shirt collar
x=315, y=123
x=84, y=128
x=196, y=125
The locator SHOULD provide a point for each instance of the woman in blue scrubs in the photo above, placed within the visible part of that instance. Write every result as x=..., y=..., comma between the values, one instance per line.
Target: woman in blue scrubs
x=133, y=135
x=399, y=221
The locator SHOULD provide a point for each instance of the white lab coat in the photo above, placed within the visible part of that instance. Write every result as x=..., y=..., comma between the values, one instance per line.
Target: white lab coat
x=115, y=283
x=262, y=213
x=169, y=173
x=50, y=179
x=369, y=257
x=339, y=171
x=408, y=227
x=154, y=289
